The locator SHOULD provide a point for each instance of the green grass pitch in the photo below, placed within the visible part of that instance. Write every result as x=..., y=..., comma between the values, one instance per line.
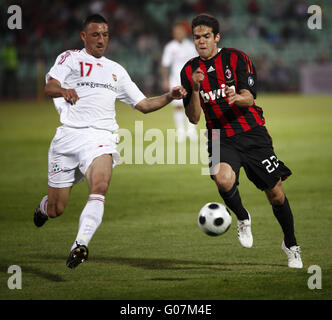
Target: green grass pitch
x=149, y=245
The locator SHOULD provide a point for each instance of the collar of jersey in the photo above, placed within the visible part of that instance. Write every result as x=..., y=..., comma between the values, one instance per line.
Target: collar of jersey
x=91, y=56
x=219, y=51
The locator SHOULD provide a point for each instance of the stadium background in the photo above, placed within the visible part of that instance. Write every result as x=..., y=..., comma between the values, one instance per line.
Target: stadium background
x=273, y=32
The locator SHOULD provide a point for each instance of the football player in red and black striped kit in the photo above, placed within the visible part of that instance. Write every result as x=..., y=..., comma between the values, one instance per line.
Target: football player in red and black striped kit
x=222, y=82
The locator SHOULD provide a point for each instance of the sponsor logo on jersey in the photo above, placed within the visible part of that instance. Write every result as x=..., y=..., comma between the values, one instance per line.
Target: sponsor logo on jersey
x=92, y=84
x=214, y=94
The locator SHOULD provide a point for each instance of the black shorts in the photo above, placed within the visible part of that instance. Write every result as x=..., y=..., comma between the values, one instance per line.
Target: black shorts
x=252, y=150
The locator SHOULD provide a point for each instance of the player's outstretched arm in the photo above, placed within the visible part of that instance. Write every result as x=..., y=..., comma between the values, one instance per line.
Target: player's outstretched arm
x=53, y=89
x=155, y=103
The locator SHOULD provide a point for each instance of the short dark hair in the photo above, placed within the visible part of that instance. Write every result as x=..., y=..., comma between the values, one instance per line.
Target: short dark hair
x=208, y=20
x=97, y=18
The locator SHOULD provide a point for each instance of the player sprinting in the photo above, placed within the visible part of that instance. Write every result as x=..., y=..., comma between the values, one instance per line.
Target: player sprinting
x=222, y=82
x=85, y=86
x=175, y=54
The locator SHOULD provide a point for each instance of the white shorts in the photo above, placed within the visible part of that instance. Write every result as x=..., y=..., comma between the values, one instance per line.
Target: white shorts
x=73, y=150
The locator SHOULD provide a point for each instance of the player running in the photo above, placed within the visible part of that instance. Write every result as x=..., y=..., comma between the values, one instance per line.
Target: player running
x=222, y=82
x=85, y=86
x=175, y=54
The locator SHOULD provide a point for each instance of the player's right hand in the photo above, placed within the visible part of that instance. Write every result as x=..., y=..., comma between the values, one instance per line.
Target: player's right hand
x=178, y=92
x=70, y=95
x=197, y=77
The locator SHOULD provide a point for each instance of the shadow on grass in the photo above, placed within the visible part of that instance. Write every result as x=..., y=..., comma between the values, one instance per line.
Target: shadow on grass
x=166, y=264
x=175, y=264
x=147, y=264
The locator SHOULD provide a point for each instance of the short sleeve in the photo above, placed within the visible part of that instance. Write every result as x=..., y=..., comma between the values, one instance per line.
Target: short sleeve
x=246, y=74
x=128, y=92
x=62, y=67
x=186, y=83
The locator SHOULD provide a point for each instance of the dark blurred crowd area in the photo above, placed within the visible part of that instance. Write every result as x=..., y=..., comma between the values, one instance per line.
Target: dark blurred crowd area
x=273, y=32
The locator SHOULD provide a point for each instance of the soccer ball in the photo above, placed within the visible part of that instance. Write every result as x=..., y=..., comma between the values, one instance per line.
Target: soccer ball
x=214, y=219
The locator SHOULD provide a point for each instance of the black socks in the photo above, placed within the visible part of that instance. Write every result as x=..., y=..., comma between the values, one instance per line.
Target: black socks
x=283, y=213
x=284, y=216
x=233, y=201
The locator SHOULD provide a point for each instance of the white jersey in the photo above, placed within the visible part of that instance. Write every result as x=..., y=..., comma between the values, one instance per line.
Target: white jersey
x=175, y=56
x=98, y=83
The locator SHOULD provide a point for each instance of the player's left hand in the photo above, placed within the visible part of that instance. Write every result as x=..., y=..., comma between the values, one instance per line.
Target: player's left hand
x=178, y=92
x=231, y=95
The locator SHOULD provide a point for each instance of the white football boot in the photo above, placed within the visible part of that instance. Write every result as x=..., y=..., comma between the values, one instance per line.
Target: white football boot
x=244, y=232
x=294, y=256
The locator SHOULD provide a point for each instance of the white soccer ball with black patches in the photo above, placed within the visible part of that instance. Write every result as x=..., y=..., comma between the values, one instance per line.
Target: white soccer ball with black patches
x=214, y=219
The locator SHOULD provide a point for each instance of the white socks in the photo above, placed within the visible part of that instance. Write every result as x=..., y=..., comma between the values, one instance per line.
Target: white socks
x=90, y=219
x=43, y=206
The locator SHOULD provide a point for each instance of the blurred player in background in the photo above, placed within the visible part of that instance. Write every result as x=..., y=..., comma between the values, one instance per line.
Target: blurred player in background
x=10, y=64
x=85, y=86
x=222, y=82
x=175, y=54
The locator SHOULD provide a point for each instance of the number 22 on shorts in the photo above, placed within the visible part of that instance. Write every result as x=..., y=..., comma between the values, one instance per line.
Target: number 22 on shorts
x=271, y=164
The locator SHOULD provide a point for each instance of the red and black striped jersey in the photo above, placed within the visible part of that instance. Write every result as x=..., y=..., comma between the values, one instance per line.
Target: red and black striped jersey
x=229, y=67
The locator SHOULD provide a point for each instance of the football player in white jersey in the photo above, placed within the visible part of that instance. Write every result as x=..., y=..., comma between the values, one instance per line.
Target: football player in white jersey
x=84, y=86
x=175, y=55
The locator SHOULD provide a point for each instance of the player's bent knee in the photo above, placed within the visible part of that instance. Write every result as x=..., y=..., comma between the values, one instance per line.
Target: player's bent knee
x=224, y=176
x=55, y=210
x=99, y=188
x=276, y=199
x=224, y=182
x=276, y=195
x=225, y=179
